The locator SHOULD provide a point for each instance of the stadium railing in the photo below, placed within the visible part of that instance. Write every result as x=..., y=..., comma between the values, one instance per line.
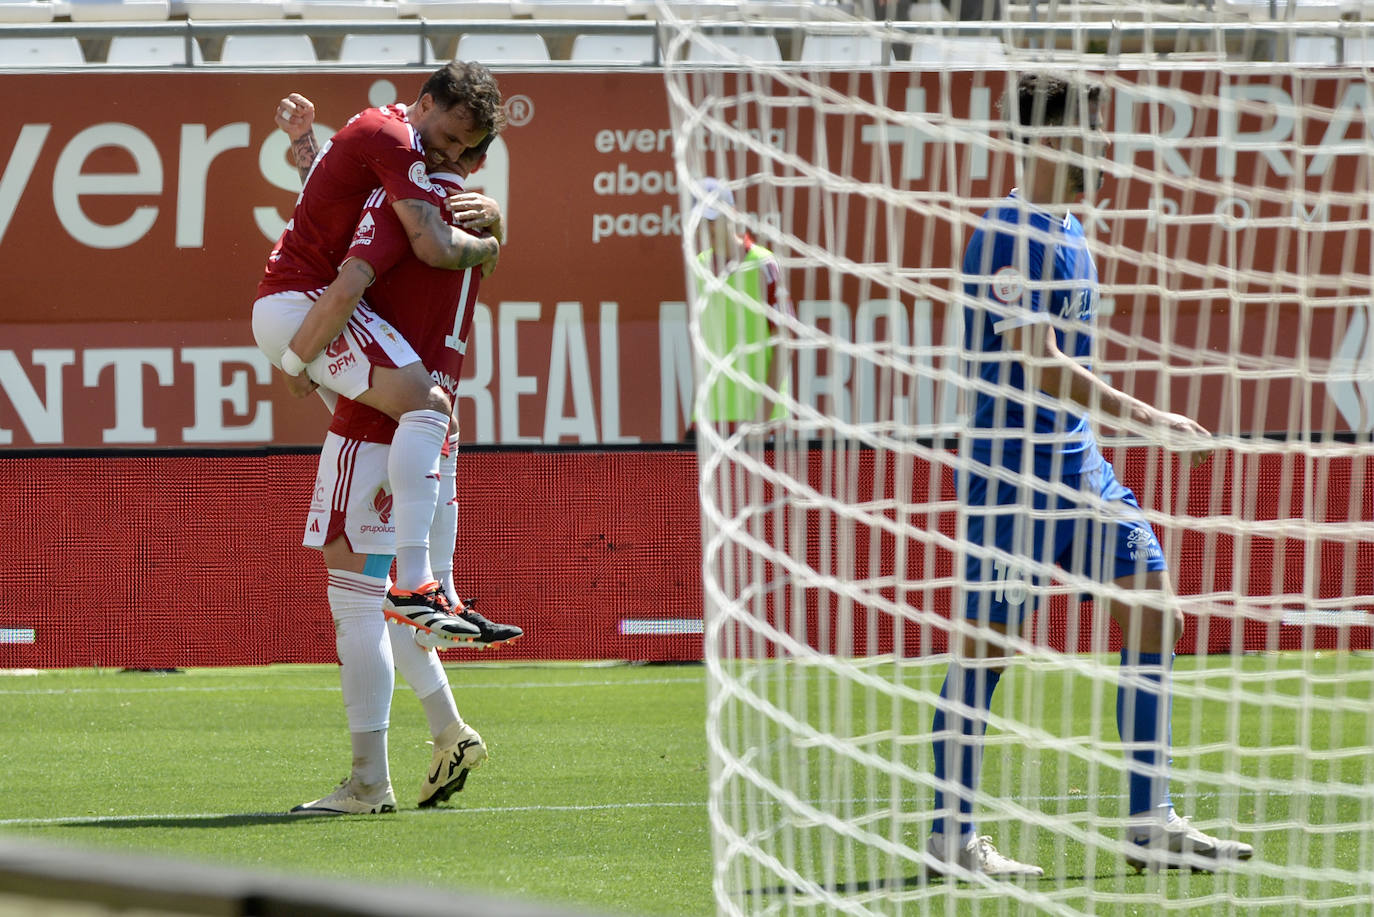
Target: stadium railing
x=436, y=39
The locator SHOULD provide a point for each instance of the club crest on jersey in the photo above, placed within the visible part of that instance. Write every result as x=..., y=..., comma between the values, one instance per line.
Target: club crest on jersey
x=1007, y=285
x=419, y=177
x=367, y=228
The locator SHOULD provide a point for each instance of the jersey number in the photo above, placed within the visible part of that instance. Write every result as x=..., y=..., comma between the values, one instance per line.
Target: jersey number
x=456, y=340
x=1010, y=584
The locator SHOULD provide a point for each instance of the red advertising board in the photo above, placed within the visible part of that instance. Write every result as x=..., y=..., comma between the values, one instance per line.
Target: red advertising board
x=177, y=560
x=136, y=211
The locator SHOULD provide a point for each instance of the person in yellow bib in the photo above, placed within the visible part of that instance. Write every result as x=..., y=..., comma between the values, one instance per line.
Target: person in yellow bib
x=743, y=296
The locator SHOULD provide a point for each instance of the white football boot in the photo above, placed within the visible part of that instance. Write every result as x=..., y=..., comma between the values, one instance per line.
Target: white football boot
x=977, y=855
x=457, y=751
x=352, y=798
x=489, y=632
x=1175, y=844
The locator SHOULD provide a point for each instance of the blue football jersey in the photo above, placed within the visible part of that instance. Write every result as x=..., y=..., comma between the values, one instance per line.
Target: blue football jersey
x=1022, y=265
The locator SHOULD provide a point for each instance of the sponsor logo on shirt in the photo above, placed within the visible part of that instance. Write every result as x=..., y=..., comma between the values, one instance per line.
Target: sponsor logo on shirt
x=381, y=505
x=1142, y=544
x=446, y=381
x=367, y=228
x=1007, y=285
x=337, y=347
x=419, y=177
x=345, y=362
x=377, y=529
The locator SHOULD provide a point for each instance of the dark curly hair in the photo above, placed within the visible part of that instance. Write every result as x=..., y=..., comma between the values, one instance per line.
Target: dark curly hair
x=471, y=84
x=1043, y=99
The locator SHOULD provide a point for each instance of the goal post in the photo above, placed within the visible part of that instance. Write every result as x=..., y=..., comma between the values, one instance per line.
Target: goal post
x=1232, y=243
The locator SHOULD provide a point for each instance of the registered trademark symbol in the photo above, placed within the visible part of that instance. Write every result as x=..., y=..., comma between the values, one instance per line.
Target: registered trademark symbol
x=519, y=110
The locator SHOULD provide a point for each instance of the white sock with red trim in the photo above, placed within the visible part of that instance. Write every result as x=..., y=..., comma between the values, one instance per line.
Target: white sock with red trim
x=443, y=531
x=366, y=670
x=413, y=468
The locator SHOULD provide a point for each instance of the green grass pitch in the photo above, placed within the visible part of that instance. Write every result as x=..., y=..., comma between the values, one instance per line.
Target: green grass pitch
x=595, y=794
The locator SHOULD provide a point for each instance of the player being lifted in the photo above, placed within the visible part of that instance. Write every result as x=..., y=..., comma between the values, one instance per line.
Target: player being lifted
x=1038, y=491
x=434, y=309
x=393, y=148
x=340, y=307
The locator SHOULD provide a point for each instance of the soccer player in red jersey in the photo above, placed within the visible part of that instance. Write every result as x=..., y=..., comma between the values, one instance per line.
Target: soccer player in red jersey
x=348, y=518
x=392, y=148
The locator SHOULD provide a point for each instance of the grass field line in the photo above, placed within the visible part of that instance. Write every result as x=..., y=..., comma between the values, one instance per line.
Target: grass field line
x=169, y=819
x=334, y=689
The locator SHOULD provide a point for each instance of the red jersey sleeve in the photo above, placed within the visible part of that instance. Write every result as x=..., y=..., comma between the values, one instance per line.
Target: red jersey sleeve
x=379, y=239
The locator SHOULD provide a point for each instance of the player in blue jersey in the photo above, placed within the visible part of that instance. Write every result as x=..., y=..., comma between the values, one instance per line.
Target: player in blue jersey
x=1038, y=493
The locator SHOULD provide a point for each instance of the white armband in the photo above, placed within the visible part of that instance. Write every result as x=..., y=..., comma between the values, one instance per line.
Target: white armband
x=291, y=364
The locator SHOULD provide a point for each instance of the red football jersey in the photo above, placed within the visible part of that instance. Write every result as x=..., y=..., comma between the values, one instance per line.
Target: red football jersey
x=378, y=147
x=431, y=308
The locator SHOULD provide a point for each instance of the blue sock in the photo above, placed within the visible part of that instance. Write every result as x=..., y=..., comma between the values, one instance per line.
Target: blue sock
x=962, y=757
x=1139, y=722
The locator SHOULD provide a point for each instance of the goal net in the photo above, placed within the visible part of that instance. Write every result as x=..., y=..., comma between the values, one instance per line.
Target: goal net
x=1231, y=238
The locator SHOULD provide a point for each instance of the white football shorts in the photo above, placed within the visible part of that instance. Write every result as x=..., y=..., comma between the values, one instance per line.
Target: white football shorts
x=345, y=366
x=352, y=497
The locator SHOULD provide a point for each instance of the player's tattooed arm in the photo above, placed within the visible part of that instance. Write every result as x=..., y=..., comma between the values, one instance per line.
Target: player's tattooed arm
x=296, y=116
x=440, y=245
x=306, y=150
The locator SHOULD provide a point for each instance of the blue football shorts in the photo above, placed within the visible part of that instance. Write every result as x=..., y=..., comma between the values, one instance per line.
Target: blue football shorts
x=1101, y=534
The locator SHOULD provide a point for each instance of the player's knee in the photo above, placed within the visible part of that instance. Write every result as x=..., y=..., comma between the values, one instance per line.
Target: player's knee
x=437, y=400
x=399, y=391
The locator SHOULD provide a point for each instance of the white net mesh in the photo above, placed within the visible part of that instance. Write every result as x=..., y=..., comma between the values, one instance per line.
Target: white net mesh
x=1232, y=243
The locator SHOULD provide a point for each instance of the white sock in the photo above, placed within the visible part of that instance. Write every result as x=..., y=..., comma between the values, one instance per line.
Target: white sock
x=371, y=774
x=425, y=674
x=413, y=467
x=440, y=710
x=443, y=531
x=366, y=670
x=420, y=667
